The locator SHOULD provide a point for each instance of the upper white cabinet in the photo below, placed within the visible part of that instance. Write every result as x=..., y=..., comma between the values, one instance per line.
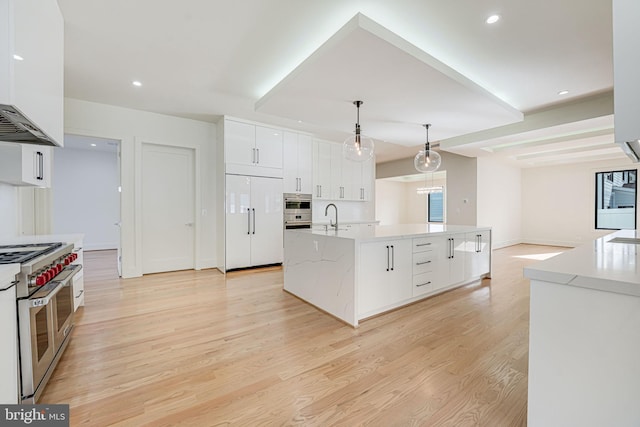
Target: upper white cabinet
x=31, y=64
x=336, y=178
x=321, y=170
x=252, y=150
x=25, y=164
x=298, y=163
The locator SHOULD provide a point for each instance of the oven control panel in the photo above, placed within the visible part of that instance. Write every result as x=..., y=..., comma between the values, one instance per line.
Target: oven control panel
x=48, y=273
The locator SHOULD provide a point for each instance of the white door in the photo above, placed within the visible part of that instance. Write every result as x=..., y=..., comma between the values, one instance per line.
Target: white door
x=167, y=208
x=268, y=147
x=305, y=164
x=238, y=221
x=239, y=143
x=290, y=166
x=266, y=222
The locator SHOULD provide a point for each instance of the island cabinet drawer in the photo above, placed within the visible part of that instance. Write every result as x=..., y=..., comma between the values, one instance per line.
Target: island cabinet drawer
x=423, y=283
x=424, y=244
x=423, y=262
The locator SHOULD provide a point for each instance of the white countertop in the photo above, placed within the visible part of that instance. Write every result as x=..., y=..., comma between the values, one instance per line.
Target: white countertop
x=600, y=265
x=398, y=231
x=42, y=238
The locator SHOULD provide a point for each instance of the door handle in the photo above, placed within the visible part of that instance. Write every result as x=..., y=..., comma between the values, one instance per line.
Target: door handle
x=423, y=262
x=254, y=221
x=387, y=258
x=253, y=155
x=189, y=224
x=257, y=155
x=423, y=284
x=248, y=221
x=393, y=257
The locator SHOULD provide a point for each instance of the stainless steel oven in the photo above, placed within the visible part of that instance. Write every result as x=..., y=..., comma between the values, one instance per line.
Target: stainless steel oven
x=297, y=210
x=45, y=310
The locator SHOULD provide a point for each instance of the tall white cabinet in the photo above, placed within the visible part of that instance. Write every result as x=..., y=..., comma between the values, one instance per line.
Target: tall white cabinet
x=297, y=163
x=254, y=227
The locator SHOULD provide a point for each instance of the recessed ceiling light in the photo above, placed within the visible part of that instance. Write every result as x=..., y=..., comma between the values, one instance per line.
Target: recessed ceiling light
x=18, y=57
x=136, y=83
x=299, y=121
x=93, y=145
x=563, y=92
x=493, y=19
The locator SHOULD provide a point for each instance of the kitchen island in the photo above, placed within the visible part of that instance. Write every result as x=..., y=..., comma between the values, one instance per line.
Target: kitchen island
x=357, y=272
x=584, y=335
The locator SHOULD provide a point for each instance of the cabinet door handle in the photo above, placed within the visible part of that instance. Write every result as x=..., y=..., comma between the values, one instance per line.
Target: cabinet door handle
x=39, y=166
x=253, y=155
x=423, y=244
x=393, y=257
x=80, y=293
x=424, y=284
x=450, y=248
x=479, y=240
x=423, y=262
x=248, y=221
x=387, y=258
x=257, y=155
x=254, y=221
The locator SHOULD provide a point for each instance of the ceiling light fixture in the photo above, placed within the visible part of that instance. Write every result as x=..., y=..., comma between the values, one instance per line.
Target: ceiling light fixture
x=427, y=160
x=18, y=57
x=358, y=147
x=136, y=83
x=94, y=145
x=493, y=19
x=563, y=92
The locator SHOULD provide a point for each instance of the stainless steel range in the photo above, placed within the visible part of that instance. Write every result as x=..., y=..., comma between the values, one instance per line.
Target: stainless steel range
x=45, y=309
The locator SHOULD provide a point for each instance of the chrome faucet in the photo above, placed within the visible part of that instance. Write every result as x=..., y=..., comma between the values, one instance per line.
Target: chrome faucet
x=326, y=212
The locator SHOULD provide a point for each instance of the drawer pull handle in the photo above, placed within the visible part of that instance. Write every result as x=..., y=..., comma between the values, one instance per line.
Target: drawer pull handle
x=424, y=284
x=423, y=262
x=423, y=244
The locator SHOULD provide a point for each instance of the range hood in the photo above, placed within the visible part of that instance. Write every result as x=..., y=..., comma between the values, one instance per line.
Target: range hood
x=626, y=80
x=15, y=127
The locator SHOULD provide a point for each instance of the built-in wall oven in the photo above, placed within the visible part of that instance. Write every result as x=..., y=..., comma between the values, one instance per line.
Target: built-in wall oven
x=297, y=210
x=45, y=310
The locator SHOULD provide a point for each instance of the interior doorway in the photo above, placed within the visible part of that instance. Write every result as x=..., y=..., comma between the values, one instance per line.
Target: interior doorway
x=86, y=192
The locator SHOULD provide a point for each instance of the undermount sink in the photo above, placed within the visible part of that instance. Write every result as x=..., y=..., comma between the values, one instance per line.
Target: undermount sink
x=628, y=240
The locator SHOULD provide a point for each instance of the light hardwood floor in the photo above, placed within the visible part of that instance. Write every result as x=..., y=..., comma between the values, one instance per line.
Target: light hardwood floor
x=194, y=348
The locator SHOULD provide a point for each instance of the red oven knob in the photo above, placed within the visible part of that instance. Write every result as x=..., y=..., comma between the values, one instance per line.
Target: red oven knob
x=75, y=256
x=40, y=280
x=67, y=260
x=52, y=272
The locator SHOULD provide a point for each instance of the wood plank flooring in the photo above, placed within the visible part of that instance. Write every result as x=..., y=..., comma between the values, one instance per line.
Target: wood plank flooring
x=193, y=348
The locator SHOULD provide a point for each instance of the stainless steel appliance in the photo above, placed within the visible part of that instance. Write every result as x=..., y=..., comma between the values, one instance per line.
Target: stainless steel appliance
x=297, y=210
x=45, y=309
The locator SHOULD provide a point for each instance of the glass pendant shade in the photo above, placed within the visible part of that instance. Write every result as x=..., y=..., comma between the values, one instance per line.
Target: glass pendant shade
x=427, y=160
x=358, y=148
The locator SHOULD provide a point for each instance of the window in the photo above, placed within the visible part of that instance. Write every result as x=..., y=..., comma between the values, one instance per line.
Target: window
x=616, y=200
x=436, y=209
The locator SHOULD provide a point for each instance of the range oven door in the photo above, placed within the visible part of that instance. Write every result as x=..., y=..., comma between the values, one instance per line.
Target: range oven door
x=45, y=320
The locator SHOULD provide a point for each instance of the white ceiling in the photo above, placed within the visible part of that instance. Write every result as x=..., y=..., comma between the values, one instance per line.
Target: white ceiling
x=411, y=62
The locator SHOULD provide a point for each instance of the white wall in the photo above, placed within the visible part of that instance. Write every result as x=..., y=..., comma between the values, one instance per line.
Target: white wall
x=132, y=128
x=390, y=202
x=461, y=190
x=93, y=205
x=500, y=201
x=558, y=206
x=8, y=210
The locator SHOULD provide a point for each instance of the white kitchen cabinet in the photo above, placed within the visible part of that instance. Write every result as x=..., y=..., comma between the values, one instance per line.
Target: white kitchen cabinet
x=385, y=275
x=253, y=221
x=477, y=254
x=446, y=256
x=321, y=170
x=33, y=30
x=25, y=164
x=8, y=335
x=367, y=179
x=297, y=163
x=252, y=150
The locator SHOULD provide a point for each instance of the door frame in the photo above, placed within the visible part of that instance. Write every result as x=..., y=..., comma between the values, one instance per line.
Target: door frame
x=197, y=223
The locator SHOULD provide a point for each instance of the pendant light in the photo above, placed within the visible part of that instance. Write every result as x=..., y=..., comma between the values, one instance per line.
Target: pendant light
x=358, y=148
x=427, y=160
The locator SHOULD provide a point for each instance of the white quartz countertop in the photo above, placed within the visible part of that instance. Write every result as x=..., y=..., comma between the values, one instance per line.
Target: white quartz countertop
x=380, y=232
x=600, y=265
x=42, y=238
